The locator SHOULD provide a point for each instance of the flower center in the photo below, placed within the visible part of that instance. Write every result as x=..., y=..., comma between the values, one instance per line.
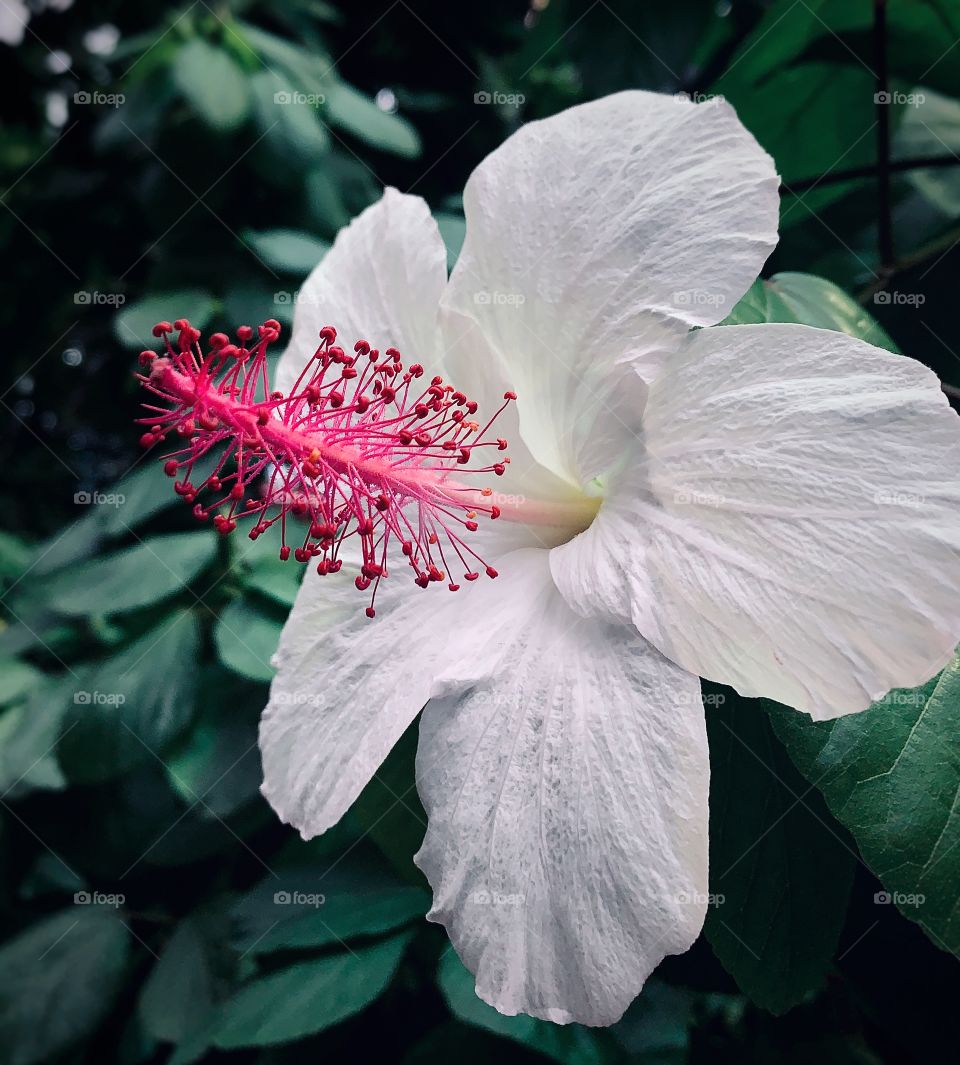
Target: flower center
x=356, y=448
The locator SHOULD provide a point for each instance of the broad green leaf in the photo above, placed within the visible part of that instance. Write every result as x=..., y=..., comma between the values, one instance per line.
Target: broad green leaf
x=218, y=759
x=17, y=679
x=58, y=981
x=146, y=573
x=780, y=868
x=246, y=639
x=891, y=776
x=129, y=708
x=453, y=229
x=29, y=734
x=189, y=978
x=14, y=556
x=307, y=997
x=287, y=250
x=213, y=84
x=293, y=130
x=260, y=569
x=810, y=300
x=134, y=323
x=345, y=916
x=569, y=1044
x=350, y=110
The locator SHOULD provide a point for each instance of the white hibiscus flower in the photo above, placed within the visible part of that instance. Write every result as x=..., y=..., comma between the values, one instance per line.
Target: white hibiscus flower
x=700, y=502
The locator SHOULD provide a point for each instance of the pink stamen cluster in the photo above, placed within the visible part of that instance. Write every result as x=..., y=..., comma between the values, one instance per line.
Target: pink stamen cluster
x=355, y=449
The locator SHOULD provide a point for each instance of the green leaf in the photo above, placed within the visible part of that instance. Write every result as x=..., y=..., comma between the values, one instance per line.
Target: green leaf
x=246, y=639
x=293, y=131
x=306, y=998
x=189, y=979
x=810, y=300
x=569, y=1044
x=345, y=916
x=287, y=249
x=780, y=869
x=28, y=739
x=149, y=572
x=218, y=760
x=128, y=709
x=58, y=981
x=16, y=679
x=134, y=323
x=891, y=776
x=215, y=87
x=453, y=230
x=260, y=569
x=350, y=110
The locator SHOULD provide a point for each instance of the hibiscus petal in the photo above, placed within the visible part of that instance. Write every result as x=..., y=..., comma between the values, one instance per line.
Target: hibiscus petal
x=602, y=234
x=381, y=282
x=794, y=528
x=347, y=686
x=567, y=802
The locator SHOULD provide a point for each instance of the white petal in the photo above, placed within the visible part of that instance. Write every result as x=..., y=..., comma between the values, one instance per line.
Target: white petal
x=347, y=686
x=604, y=233
x=380, y=282
x=793, y=528
x=567, y=804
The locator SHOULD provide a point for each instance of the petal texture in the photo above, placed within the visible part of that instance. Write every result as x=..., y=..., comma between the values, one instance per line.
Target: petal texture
x=348, y=686
x=795, y=525
x=381, y=281
x=566, y=795
x=600, y=235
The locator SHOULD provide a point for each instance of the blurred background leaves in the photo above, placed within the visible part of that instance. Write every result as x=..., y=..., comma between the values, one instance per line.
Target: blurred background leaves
x=196, y=159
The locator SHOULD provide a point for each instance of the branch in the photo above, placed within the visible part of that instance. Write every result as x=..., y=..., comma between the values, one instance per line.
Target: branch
x=922, y=162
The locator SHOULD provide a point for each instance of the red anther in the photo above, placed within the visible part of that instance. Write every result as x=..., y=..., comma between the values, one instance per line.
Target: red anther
x=213, y=483
x=361, y=347
x=471, y=525
x=423, y=580
x=494, y=512
x=459, y=398
x=374, y=354
x=499, y=469
x=387, y=394
x=146, y=357
x=230, y=351
x=457, y=415
x=491, y=572
x=382, y=503
x=219, y=341
x=362, y=403
x=392, y=353
x=181, y=324
x=348, y=373
x=336, y=399
x=424, y=439
x=501, y=444
x=328, y=333
x=170, y=467
x=161, y=329
x=421, y=410
x=407, y=548
x=284, y=553
x=471, y=407
x=509, y=395
x=416, y=370
x=471, y=576
x=336, y=354
x=208, y=421
x=199, y=513
x=147, y=440
x=405, y=437
x=454, y=587
x=464, y=457
x=370, y=612
x=244, y=333
x=272, y=323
